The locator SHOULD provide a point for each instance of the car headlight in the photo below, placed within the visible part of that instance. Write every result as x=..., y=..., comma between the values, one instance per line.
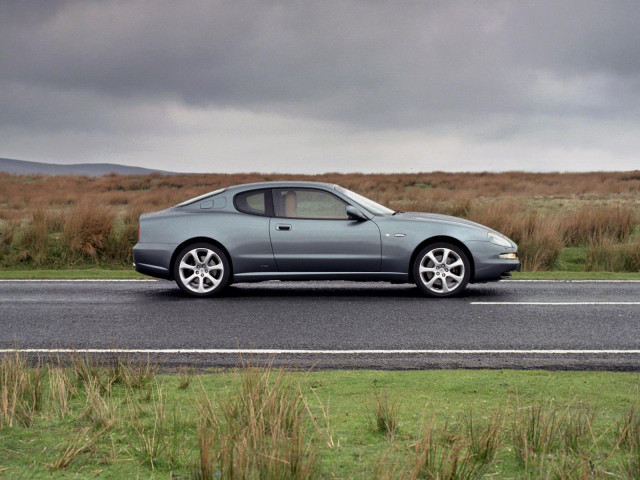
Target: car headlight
x=498, y=240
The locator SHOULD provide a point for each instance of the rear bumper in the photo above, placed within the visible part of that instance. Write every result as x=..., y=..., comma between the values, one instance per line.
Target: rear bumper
x=153, y=259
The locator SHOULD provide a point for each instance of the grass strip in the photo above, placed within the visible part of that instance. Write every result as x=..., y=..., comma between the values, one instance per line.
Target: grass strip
x=123, y=420
x=566, y=275
x=116, y=274
x=79, y=274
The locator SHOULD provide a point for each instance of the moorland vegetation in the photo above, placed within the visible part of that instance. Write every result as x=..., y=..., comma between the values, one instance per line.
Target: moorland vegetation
x=561, y=221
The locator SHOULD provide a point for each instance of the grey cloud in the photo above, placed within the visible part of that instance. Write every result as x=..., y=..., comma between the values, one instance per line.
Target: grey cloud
x=488, y=76
x=366, y=64
x=41, y=108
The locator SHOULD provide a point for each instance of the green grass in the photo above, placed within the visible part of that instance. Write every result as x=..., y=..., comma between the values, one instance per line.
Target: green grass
x=572, y=259
x=571, y=266
x=89, y=273
x=104, y=274
x=563, y=275
x=153, y=429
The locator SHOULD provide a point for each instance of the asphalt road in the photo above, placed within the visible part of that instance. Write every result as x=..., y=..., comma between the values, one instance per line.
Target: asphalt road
x=575, y=325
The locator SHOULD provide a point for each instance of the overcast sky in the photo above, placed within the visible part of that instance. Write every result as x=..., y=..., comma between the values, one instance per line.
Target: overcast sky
x=319, y=86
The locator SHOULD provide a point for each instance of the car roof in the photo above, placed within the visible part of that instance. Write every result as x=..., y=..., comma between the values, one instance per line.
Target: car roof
x=280, y=184
x=234, y=189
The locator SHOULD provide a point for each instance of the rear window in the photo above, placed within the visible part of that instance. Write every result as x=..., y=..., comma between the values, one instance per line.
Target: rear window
x=253, y=202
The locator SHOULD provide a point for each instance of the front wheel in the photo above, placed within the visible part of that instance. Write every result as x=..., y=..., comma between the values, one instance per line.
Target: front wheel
x=201, y=270
x=441, y=270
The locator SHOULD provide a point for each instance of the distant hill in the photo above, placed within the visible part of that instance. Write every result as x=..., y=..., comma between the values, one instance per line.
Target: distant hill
x=21, y=167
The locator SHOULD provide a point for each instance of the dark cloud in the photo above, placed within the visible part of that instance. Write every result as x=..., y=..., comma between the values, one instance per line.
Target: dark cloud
x=488, y=69
x=383, y=63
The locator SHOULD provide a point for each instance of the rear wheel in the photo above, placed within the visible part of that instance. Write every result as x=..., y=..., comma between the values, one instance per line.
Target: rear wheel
x=201, y=270
x=441, y=270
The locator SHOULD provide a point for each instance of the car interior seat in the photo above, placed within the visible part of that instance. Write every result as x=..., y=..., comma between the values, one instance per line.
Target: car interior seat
x=290, y=205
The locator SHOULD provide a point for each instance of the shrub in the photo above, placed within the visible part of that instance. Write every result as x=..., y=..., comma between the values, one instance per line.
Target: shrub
x=613, y=222
x=604, y=254
x=262, y=433
x=32, y=244
x=87, y=227
x=443, y=455
x=385, y=415
x=21, y=391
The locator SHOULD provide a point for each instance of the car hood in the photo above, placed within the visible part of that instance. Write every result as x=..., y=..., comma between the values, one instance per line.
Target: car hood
x=436, y=217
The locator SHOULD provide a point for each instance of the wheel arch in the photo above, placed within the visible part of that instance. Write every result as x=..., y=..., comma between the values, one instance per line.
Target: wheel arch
x=438, y=239
x=192, y=241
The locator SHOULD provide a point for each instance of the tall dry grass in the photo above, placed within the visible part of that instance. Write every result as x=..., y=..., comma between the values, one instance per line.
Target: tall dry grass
x=32, y=243
x=259, y=432
x=87, y=227
x=66, y=219
x=61, y=389
x=21, y=391
x=441, y=453
x=615, y=222
x=385, y=415
x=604, y=254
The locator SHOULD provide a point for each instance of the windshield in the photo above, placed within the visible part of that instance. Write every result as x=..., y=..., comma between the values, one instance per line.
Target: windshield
x=201, y=197
x=370, y=205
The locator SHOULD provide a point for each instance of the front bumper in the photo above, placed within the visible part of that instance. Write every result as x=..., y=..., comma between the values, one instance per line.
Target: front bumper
x=497, y=271
x=489, y=264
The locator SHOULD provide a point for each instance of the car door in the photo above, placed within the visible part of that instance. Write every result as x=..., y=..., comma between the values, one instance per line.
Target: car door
x=311, y=232
x=247, y=236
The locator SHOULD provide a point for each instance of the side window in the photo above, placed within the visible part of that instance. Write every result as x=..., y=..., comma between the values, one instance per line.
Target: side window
x=302, y=203
x=252, y=202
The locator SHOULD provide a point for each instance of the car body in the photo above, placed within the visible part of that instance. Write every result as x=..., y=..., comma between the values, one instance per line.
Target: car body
x=314, y=231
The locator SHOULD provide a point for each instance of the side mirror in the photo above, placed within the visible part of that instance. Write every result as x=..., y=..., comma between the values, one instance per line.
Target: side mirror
x=355, y=214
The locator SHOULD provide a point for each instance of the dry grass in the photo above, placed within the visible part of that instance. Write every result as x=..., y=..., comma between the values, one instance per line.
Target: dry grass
x=615, y=222
x=442, y=454
x=385, y=415
x=154, y=436
x=485, y=440
x=87, y=227
x=100, y=410
x=63, y=220
x=32, y=244
x=135, y=374
x=185, y=376
x=84, y=441
x=545, y=428
x=260, y=432
x=21, y=391
x=61, y=389
x=604, y=254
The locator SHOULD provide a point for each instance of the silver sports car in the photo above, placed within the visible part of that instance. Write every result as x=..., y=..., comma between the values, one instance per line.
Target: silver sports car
x=314, y=231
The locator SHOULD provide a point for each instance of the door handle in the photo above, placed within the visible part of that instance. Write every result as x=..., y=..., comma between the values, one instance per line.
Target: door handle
x=283, y=226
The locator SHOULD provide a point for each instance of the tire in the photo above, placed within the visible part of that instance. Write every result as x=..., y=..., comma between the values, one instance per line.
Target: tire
x=201, y=270
x=441, y=270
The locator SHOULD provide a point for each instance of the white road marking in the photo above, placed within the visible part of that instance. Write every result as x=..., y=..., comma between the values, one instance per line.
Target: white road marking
x=274, y=351
x=561, y=304
x=158, y=280
x=60, y=280
x=567, y=281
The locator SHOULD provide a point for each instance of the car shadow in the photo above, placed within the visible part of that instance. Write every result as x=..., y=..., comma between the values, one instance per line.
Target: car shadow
x=278, y=290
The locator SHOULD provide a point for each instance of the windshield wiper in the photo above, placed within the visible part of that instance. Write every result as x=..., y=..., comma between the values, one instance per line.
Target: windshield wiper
x=397, y=211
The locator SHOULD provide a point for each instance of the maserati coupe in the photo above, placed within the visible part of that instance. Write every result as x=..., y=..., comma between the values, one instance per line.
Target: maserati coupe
x=314, y=231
